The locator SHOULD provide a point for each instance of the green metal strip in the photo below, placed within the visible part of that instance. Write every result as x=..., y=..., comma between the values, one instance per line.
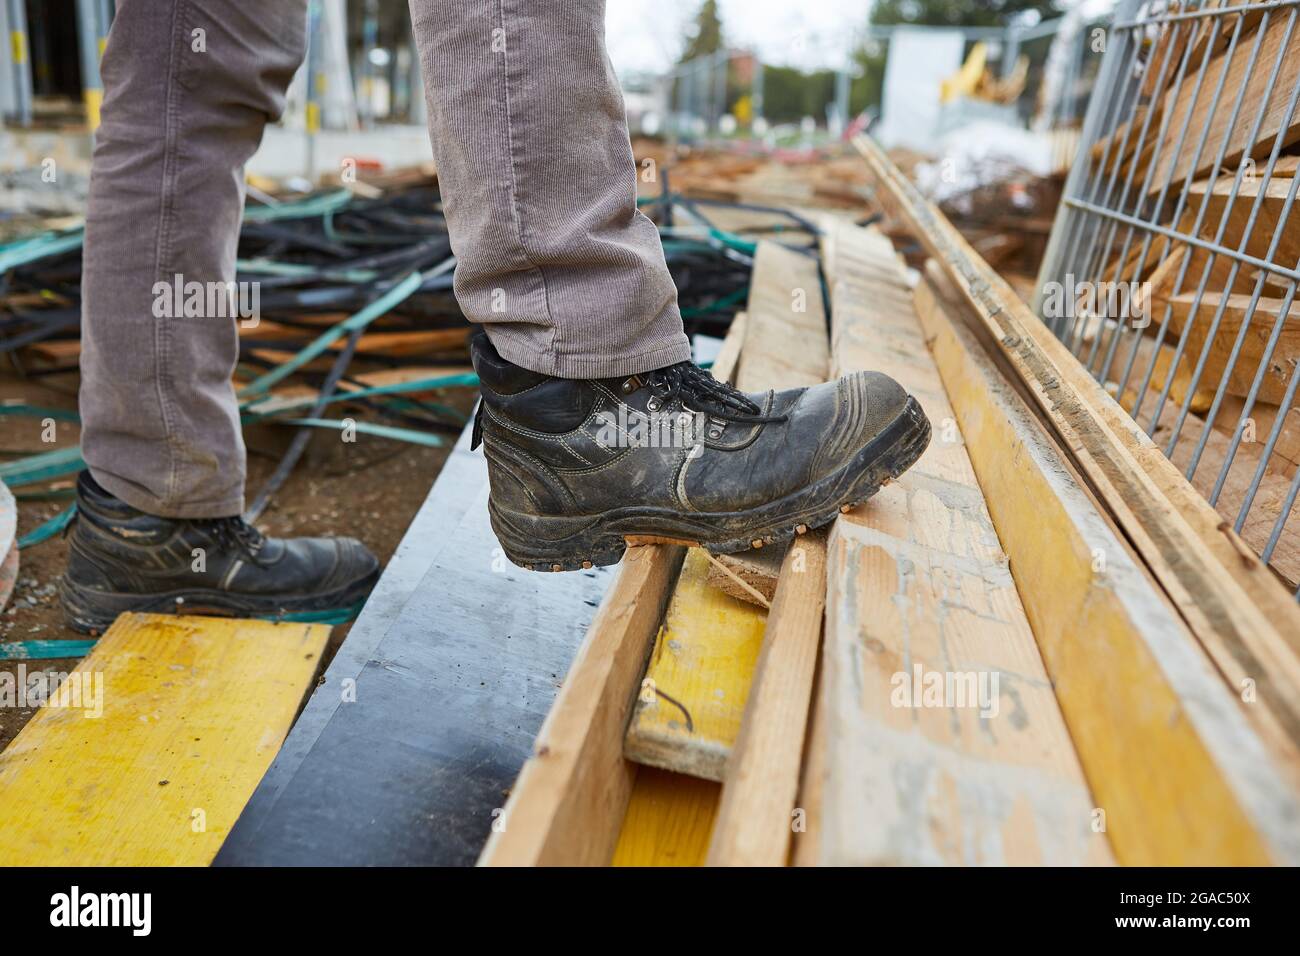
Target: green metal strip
x=49, y=529
x=394, y=296
x=50, y=464
x=366, y=428
x=44, y=650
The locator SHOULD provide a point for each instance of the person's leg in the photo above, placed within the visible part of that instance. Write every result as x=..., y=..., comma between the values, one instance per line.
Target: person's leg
x=539, y=188
x=189, y=89
x=583, y=336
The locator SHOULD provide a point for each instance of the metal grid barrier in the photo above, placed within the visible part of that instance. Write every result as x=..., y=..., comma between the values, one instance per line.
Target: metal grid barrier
x=1172, y=264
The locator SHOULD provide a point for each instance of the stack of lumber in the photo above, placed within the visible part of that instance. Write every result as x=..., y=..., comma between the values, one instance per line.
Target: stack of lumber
x=1131, y=675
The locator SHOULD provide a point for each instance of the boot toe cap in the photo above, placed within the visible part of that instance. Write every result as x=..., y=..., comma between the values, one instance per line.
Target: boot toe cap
x=353, y=562
x=865, y=404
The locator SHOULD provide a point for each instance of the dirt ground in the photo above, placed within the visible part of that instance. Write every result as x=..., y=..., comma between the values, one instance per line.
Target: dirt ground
x=369, y=489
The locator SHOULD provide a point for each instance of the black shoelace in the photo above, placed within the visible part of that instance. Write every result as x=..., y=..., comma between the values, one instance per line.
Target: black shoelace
x=235, y=533
x=704, y=393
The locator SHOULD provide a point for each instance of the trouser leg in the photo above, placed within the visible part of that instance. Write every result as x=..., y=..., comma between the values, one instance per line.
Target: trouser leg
x=539, y=188
x=189, y=88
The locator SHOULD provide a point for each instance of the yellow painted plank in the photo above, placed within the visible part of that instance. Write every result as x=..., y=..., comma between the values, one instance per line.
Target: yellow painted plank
x=944, y=743
x=192, y=711
x=668, y=822
x=693, y=696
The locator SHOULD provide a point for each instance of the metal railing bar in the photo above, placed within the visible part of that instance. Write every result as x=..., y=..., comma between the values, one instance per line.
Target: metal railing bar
x=1218, y=235
x=1170, y=45
x=1267, y=554
x=1275, y=432
x=1100, y=263
x=1206, y=12
x=1117, y=103
x=1178, y=211
x=1249, y=314
x=1182, y=201
x=1224, y=219
x=1159, y=204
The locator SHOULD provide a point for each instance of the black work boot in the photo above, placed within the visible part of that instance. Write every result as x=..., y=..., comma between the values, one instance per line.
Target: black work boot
x=121, y=559
x=580, y=467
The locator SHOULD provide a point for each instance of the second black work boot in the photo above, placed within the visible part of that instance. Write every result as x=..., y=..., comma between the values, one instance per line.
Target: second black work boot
x=580, y=467
x=121, y=559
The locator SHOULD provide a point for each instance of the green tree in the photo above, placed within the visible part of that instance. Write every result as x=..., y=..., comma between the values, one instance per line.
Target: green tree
x=705, y=34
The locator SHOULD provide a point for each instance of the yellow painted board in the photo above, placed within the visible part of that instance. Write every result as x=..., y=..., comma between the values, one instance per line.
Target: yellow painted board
x=692, y=699
x=669, y=820
x=191, y=712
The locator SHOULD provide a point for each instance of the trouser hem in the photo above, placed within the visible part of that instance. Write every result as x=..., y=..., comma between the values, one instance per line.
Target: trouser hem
x=587, y=366
x=142, y=500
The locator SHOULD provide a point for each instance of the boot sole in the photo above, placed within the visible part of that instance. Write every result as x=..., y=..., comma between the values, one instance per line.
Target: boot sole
x=92, y=611
x=559, y=543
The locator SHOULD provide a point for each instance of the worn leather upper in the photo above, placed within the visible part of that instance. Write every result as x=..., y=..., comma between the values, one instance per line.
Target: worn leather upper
x=564, y=446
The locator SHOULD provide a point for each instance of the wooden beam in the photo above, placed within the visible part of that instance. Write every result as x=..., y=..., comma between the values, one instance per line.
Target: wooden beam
x=754, y=825
x=668, y=820
x=944, y=741
x=704, y=657
x=1282, y=362
x=691, y=701
x=1249, y=625
x=568, y=806
x=1190, y=105
x=153, y=744
x=1163, y=740
x=786, y=345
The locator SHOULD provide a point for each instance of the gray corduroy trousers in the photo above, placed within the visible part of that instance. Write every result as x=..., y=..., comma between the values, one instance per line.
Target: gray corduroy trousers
x=538, y=183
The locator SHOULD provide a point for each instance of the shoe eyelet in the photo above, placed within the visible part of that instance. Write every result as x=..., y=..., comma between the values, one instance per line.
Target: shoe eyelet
x=653, y=405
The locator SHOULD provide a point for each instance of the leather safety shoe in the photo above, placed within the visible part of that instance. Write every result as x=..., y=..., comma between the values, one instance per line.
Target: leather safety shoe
x=121, y=559
x=580, y=468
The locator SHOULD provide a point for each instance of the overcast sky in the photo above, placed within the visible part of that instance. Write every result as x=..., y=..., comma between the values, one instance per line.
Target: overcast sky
x=806, y=33
x=647, y=34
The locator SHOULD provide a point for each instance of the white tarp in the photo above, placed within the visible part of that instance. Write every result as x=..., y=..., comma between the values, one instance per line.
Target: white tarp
x=919, y=61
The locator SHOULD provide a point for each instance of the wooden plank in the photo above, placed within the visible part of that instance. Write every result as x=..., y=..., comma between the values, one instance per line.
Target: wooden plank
x=668, y=821
x=1248, y=624
x=758, y=799
x=1188, y=104
x=1281, y=364
x=569, y=803
x=786, y=344
x=692, y=698
x=919, y=596
x=1162, y=738
x=807, y=816
x=567, y=806
x=704, y=657
x=154, y=743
